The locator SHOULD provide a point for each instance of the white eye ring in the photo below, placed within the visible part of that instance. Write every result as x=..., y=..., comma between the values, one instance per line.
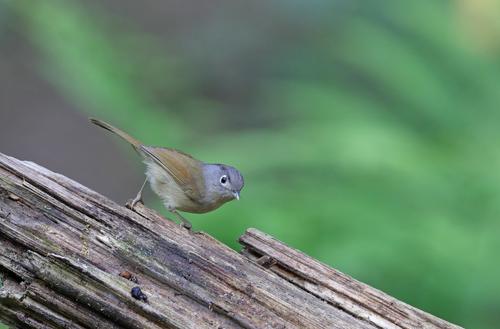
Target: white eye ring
x=223, y=179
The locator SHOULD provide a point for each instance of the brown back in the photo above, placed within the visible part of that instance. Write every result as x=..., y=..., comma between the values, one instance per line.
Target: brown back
x=184, y=169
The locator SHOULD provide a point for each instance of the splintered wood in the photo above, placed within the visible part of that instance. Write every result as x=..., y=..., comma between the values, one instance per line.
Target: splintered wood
x=71, y=258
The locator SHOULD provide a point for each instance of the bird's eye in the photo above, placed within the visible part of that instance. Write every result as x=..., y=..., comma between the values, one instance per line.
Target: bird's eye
x=223, y=179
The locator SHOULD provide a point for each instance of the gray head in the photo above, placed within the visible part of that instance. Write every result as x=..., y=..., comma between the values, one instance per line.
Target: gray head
x=225, y=181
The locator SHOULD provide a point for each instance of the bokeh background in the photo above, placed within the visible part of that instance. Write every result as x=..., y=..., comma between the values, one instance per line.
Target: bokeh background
x=367, y=131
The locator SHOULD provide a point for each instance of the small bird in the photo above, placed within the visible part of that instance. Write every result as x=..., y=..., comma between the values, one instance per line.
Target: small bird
x=181, y=181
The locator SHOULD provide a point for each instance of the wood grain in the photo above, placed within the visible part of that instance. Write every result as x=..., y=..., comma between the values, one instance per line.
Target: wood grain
x=335, y=287
x=63, y=247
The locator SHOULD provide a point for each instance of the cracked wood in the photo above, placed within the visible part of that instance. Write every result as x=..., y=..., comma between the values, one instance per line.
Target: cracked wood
x=63, y=247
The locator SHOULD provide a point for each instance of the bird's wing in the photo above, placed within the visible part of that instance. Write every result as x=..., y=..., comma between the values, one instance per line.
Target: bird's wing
x=184, y=169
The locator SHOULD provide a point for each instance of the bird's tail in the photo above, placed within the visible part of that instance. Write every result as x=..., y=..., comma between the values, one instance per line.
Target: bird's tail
x=134, y=142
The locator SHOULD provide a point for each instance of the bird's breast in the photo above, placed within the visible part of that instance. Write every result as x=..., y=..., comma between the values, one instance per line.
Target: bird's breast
x=173, y=196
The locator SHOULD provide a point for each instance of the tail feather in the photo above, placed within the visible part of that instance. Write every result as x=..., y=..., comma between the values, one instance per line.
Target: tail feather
x=134, y=142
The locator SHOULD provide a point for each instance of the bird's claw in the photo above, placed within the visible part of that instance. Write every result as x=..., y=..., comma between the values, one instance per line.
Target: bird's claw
x=131, y=203
x=187, y=225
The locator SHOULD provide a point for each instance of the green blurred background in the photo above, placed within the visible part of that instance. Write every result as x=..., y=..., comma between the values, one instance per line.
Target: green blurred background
x=367, y=131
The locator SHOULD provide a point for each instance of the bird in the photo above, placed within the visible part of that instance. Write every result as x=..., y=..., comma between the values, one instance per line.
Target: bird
x=182, y=182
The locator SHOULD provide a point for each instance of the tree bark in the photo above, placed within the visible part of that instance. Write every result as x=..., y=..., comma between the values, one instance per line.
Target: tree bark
x=70, y=258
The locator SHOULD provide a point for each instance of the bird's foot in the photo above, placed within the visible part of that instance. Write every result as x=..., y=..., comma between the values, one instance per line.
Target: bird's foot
x=184, y=222
x=132, y=203
x=187, y=225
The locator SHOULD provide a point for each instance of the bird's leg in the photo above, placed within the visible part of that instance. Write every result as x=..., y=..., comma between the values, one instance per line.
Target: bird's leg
x=138, y=198
x=185, y=223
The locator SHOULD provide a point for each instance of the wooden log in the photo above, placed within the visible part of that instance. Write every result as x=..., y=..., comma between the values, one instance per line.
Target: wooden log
x=63, y=248
x=335, y=287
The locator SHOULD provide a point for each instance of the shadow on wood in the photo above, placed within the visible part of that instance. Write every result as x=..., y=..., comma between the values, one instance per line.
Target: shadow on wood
x=63, y=248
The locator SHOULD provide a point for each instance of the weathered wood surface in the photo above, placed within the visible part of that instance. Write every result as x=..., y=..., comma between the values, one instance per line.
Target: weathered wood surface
x=62, y=247
x=337, y=288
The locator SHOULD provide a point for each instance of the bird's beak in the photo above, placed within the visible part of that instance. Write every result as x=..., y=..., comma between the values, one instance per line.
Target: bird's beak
x=236, y=195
